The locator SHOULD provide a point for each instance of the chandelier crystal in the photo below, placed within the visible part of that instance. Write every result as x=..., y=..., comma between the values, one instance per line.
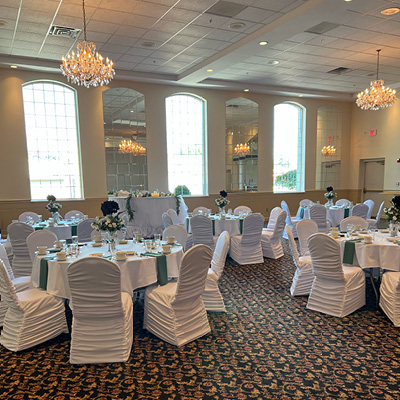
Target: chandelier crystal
x=86, y=67
x=241, y=149
x=129, y=147
x=377, y=96
x=328, y=151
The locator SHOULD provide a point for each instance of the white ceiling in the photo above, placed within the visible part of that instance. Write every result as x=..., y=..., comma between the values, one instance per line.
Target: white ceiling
x=188, y=40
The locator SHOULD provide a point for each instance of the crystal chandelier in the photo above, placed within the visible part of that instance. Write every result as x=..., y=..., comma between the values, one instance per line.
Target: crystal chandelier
x=86, y=67
x=129, y=147
x=378, y=96
x=241, y=149
x=328, y=151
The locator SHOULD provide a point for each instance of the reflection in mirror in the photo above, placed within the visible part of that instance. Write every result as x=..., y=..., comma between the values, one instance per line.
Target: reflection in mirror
x=329, y=149
x=241, y=129
x=125, y=139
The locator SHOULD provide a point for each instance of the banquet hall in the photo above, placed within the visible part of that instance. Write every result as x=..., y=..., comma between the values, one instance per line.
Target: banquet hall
x=271, y=88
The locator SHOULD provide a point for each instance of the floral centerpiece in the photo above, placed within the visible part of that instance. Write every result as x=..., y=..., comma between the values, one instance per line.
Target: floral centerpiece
x=393, y=215
x=330, y=195
x=222, y=201
x=53, y=207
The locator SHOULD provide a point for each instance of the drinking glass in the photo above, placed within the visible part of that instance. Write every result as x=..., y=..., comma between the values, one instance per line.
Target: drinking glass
x=123, y=233
x=74, y=239
x=74, y=250
x=157, y=240
x=148, y=244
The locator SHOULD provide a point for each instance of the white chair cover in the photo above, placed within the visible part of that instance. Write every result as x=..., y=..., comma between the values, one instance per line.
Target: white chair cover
x=179, y=232
x=202, y=232
x=174, y=216
x=273, y=216
x=305, y=229
x=336, y=290
x=32, y=316
x=318, y=214
x=175, y=312
x=353, y=221
x=240, y=209
x=84, y=230
x=303, y=276
x=371, y=205
x=271, y=240
x=22, y=263
x=292, y=222
x=33, y=215
x=212, y=297
x=359, y=210
x=389, y=299
x=303, y=203
x=102, y=325
x=204, y=210
x=73, y=213
x=373, y=223
x=40, y=238
x=342, y=202
x=246, y=248
x=167, y=220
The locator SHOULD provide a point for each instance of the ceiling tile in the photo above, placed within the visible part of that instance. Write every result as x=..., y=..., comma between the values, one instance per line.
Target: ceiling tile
x=130, y=31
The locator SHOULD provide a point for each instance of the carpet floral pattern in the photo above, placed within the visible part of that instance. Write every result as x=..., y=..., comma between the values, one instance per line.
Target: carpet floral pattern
x=267, y=346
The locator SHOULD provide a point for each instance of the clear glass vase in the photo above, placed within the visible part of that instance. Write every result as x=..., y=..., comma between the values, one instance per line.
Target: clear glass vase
x=393, y=229
x=329, y=203
x=112, y=238
x=222, y=211
x=56, y=216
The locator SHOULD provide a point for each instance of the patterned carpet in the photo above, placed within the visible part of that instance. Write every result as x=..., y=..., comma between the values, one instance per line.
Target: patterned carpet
x=267, y=346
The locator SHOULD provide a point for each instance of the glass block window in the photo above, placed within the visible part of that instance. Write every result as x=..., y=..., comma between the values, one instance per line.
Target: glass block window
x=52, y=139
x=186, y=143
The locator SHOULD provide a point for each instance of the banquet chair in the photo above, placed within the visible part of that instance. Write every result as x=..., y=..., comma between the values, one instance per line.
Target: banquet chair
x=202, y=232
x=102, y=324
x=359, y=210
x=174, y=216
x=318, y=214
x=179, y=232
x=371, y=205
x=32, y=316
x=353, y=221
x=271, y=240
x=342, y=202
x=204, y=210
x=242, y=209
x=389, y=300
x=175, y=312
x=20, y=284
x=73, y=214
x=373, y=223
x=303, y=276
x=292, y=222
x=337, y=289
x=246, y=248
x=22, y=217
x=84, y=230
x=212, y=297
x=167, y=220
x=40, y=238
x=273, y=215
x=303, y=203
x=305, y=229
x=22, y=263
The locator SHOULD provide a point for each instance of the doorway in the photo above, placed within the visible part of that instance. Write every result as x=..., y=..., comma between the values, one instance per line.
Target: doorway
x=374, y=172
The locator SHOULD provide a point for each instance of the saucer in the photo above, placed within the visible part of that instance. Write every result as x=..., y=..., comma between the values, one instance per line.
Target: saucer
x=96, y=255
x=130, y=253
x=392, y=239
x=123, y=242
x=95, y=244
x=121, y=259
x=384, y=230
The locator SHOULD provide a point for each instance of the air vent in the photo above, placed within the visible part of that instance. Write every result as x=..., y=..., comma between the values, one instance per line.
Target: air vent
x=233, y=105
x=321, y=28
x=64, y=31
x=339, y=71
x=226, y=9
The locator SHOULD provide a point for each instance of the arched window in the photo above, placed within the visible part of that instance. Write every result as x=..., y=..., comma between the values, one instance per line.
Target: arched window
x=288, y=148
x=186, y=144
x=52, y=139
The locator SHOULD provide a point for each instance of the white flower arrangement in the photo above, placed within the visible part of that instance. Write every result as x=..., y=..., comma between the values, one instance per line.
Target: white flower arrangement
x=222, y=201
x=108, y=223
x=52, y=206
x=330, y=194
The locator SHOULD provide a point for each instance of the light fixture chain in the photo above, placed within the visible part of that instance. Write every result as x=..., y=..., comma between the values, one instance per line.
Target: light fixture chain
x=377, y=66
x=84, y=20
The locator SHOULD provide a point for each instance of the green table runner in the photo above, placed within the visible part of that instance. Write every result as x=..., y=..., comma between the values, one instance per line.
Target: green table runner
x=162, y=273
x=346, y=212
x=44, y=271
x=301, y=212
x=349, y=250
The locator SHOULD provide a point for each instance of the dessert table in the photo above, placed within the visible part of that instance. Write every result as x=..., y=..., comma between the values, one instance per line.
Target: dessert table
x=136, y=271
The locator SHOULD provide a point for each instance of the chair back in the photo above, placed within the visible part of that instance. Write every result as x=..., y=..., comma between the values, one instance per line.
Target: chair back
x=279, y=227
x=318, y=214
x=178, y=231
x=240, y=209
x=293, y=247
x=380, y=211
x=285, y=207
x=273, y=216
x=202, y=230
x=192, y=274
x=370, y=204
x=359, y=210
x=18, y=232
x=306, y=203
x=204, y=210
x=342, y=202
x=353, y=220
x=73, y=214
x=6, y=261
x=40, y=238
x=174, y=216
x=325, y=257
x=305, y=228
x=7, y=289
x=167, y=220
x=95, y=285
x=84, y=230
x=220, y=253
x=22, y=217
x=252, y=229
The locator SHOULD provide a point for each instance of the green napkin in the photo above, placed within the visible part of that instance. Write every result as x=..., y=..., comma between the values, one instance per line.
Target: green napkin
x=213, y=226
x=38, y=227
x=302, y=212
x=349, y=250
x=187, y=223
x=162, y=274
x=54, y=250
x=241, y=225
x=44, y=271
x=346, y=212
x=74, y=230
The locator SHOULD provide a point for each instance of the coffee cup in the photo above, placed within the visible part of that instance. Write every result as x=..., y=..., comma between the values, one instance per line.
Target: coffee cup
x=166, y=248
x=41, y=250
x=170, y=239
x=97, y=238
x=138, y=237
x=367, y=239
x=120, y=255
x=357, y=227
x=335, y=234
x=334, y=228
x=61, y=256
x=57, y=244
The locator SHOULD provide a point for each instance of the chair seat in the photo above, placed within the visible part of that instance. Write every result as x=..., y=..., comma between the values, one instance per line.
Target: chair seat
x=212, y=298
x=21, y=283
x=245, y=255
x=270, y=249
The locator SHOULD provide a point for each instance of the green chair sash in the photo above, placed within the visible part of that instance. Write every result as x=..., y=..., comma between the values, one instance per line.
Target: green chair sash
x=349, y=251
x=162, y=273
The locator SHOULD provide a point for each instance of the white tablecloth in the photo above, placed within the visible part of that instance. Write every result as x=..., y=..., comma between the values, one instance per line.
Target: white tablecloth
x=63, y=231
x=136, y=272
x=231, y=225
x=148, y=213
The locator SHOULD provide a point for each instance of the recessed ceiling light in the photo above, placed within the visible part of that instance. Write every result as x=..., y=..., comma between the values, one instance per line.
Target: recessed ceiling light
x=210, y=70
x=237, y=25
x=13, y=66
x=263, y=43
x=390, y=11
x=148, y=44
x=246, y=90
x=272, y=62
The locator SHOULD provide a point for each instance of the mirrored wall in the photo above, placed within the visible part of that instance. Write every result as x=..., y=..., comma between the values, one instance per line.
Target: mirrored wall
x=241, y=129
x=125, y=139
x=329, y=147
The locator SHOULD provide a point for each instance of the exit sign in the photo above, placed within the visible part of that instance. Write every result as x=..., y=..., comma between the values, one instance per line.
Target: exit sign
x=373, y=133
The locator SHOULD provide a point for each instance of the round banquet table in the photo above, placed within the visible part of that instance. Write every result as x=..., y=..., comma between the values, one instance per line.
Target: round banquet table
x=62, y=231
x=136, y=271
x=333, y=214
x=232, y=224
